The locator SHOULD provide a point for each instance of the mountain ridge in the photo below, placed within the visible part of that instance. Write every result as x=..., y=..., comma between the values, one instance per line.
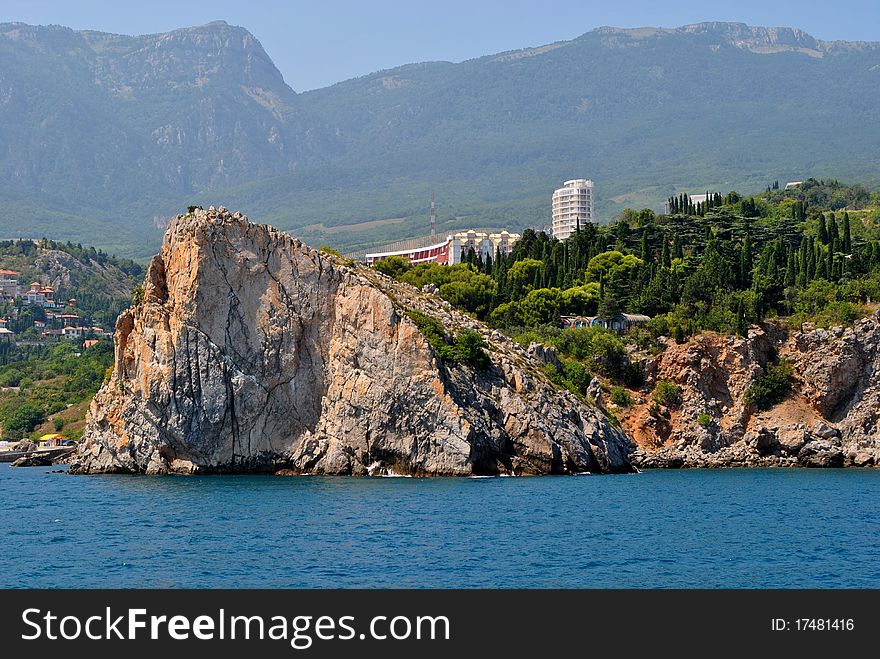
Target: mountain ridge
x=103, y=133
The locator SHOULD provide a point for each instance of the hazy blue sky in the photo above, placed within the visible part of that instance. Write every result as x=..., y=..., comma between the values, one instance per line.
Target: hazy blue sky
x=318, y=43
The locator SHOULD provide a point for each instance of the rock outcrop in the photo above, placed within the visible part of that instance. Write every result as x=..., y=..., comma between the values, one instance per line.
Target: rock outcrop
x=830, y=419
x=251, y=352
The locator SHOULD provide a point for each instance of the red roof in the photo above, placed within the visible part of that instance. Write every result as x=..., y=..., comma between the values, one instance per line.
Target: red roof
x=8, y=272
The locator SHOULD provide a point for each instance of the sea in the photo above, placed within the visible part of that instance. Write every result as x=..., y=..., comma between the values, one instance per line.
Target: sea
x=759, y=528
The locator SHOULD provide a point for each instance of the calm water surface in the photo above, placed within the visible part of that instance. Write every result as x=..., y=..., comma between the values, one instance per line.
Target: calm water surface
x=730, y=528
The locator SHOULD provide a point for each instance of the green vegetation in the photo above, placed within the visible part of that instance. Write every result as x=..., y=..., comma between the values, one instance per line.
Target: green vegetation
x=705, y=419
x=666, y=393
x=772, y=387
x=47, y=381
x=50, y=380
x=620, y=396
x=721, y=266
x=137, y=295
x=466, y=347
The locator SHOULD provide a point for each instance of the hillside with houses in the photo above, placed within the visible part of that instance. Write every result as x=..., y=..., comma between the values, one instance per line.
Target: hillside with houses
x=58, y=307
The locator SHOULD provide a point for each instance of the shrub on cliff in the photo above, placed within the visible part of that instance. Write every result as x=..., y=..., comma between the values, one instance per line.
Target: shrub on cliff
x=467, y=347
x=621, y=397
x=576, y=376
x=771, y=388
x=666, y=393
x=137, y=295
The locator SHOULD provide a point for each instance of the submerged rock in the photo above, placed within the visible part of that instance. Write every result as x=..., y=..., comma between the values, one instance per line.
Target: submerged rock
x=35, y=459
x=251, y=352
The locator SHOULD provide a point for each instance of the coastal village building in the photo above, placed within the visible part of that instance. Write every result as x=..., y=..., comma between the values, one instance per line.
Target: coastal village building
x=8, y=284
x=71, y=332
x=41, y=296
x=452, y=250
x=792, y=184
x=619, y=323
x=65, y=319
x=572, y=204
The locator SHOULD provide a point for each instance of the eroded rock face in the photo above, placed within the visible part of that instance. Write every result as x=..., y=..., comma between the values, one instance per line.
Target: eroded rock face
x=253, y=353
x=830, y=419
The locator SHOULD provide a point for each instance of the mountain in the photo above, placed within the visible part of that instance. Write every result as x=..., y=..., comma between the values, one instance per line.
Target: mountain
x=103, y=137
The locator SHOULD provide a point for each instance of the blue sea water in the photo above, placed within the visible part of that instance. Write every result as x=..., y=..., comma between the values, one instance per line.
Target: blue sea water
x=785, y=528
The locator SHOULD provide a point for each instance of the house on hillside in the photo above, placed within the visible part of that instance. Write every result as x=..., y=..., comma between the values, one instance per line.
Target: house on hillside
x=621, y=322
x=66, y=319
x=8, y=284
x=71, y=332
x=41, y=296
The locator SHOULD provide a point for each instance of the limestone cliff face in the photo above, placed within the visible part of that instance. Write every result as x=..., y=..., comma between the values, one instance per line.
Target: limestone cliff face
x=253, y=353
x=831, y=418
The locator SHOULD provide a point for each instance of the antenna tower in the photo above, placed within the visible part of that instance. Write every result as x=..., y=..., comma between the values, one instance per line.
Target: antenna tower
x=433, y=218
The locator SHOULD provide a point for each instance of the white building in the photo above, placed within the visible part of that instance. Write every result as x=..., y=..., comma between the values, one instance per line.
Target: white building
x=73, y=332
x=701, y=198
x=572, y=204
x=482, y=243
x=452, y=250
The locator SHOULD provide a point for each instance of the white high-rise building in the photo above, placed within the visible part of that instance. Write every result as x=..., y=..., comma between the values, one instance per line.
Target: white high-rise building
x=573, y=202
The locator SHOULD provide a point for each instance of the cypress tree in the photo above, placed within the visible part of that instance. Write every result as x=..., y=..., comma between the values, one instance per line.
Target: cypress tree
x=823, y=231
x=847, y=237
x=745, y=262
x=665, y=258
x=645, y=249
x=742, y=327
x=833, y=233
x=815, y=256
x=677, y=252
x=832, y=251
x=790, y=270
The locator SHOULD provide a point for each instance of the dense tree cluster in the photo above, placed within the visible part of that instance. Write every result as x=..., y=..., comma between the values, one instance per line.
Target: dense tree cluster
x=46, y=380
x=721, y=265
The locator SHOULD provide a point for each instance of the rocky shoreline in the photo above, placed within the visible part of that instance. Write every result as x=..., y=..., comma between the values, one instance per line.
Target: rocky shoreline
x=831, y=417
x=251, y=352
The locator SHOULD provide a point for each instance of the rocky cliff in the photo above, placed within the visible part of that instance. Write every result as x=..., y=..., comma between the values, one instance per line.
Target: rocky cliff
x=830, y=418
x=251, y=352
